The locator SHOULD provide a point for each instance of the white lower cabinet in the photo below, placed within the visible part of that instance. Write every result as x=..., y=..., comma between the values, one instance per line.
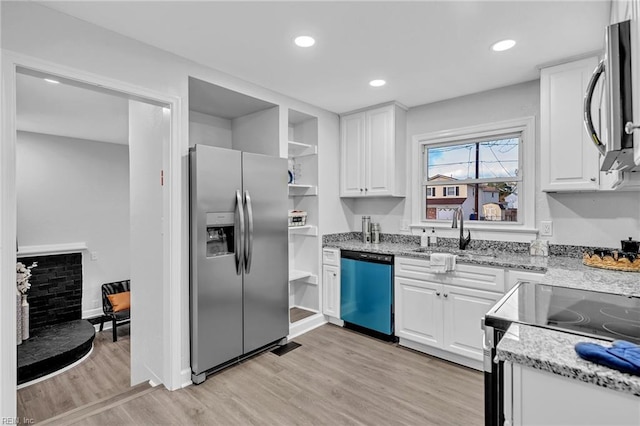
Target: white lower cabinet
x=331, y=290
x=418, y=311
x=443, y=319
x=537, y=397
x=463, y=310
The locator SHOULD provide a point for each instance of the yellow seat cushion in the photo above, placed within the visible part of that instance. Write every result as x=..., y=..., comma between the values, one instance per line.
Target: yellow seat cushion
x=120, y=301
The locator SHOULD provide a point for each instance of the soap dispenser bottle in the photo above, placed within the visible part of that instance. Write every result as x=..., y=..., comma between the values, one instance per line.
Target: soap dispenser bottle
x=433, y=239
x=424, y=239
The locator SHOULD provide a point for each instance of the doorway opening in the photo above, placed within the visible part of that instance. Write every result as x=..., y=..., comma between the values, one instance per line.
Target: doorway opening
x=85, y=155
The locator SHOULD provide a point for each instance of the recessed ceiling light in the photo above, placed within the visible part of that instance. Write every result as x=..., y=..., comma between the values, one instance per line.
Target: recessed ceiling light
x=377, y=83
x=52, y=81
x=304, y=41
x=503, y=45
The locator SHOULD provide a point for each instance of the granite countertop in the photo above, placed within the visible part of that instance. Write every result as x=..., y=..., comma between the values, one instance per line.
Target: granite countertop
x=553, y=351
x=486, y=257
x=560, y=271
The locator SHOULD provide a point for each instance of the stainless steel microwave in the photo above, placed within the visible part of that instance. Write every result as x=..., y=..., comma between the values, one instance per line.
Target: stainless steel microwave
x=617, y=143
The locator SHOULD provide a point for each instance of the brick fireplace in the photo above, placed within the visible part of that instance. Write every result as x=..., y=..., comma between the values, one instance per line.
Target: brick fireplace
x=56, y=289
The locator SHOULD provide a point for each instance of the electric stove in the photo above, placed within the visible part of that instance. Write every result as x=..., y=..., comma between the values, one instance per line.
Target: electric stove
x=584, y=312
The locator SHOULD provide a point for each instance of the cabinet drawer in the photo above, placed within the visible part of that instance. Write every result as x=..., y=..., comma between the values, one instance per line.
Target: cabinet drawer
x=418, y=269
x=469, y=276
x=331, y=256
x=480, y=277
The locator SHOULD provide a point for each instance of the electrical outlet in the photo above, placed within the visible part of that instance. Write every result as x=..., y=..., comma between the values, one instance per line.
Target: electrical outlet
x=94, y=255
x=546, y=228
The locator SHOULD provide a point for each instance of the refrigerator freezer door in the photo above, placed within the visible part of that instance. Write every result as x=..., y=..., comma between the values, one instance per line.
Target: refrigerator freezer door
x=216, y=287
x=266, y=304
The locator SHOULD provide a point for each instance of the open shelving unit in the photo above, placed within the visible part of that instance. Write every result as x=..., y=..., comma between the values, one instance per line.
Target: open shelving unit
x=295, y=275
x=304, y=254
x=299, y=190
x=310, y=230
x=299, y=149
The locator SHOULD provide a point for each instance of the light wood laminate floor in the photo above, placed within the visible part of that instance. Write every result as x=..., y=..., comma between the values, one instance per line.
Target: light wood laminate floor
x=105, y=373
x=337, y=377
x=297, y=314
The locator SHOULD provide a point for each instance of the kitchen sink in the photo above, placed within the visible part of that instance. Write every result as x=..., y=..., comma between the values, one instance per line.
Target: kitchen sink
x=462, y=255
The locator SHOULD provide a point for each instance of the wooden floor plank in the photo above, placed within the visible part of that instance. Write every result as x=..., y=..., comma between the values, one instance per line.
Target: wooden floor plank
x=337, y=377
x=297, y=314
x=105, y=373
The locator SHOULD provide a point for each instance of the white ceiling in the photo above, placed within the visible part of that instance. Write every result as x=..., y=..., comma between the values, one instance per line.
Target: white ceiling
x=426, y=50
x=70, y=111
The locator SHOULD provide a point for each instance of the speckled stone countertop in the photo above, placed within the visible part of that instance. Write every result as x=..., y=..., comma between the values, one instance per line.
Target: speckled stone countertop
x=560, y=271
x=496, y=258
x=553, y=351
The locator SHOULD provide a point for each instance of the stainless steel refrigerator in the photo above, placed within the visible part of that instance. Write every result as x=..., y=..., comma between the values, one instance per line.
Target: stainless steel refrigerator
x=238, y=254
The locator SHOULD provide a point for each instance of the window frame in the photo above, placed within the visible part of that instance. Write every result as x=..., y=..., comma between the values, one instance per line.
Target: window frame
x=523, y=127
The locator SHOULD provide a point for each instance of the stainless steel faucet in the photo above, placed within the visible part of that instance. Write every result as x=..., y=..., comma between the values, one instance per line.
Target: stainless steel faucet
x=464, y=242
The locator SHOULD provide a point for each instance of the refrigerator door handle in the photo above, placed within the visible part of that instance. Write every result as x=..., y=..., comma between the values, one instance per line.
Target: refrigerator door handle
x=239, y=237
x=248, y=248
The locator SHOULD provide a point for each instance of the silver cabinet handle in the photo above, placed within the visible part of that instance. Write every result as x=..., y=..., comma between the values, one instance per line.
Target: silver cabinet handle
x=592, y=179
x=239, y=235
x=248, y=249
x=588, y=121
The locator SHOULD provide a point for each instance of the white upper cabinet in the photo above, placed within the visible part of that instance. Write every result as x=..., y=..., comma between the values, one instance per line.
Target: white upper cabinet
x=372, y=162
x=352, y=155
x=568, y=159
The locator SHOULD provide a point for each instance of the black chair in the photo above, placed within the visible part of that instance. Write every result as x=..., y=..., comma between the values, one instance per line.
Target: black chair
x=117, y=318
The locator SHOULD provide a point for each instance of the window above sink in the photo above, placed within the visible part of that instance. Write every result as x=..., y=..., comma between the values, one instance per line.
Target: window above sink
x=488, y=170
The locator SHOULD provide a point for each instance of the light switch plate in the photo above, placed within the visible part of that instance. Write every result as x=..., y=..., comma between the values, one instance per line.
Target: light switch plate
x=546, y=228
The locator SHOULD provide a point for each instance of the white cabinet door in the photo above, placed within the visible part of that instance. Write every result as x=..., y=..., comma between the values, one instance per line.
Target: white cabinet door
x=352, y=155
x=372, y=161
x=543, y=398
x=331, y=290
x=418, y=311
x=569, y=160
x=463, y=308
x=379, y=151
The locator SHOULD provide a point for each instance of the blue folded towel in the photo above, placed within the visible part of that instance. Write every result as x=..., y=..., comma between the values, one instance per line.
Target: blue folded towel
x=622, y=355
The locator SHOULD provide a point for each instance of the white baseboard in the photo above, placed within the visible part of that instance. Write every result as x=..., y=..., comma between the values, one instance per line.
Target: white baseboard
x=185, y=378
x=92, y=313
x=336, y=321
x=449, y=356
x=305, y=325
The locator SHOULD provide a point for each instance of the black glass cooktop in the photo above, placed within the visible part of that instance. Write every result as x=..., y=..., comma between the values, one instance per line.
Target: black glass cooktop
x=590, y=313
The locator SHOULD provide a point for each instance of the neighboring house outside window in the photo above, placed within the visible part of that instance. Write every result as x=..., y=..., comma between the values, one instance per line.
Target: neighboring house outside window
x=480, y=171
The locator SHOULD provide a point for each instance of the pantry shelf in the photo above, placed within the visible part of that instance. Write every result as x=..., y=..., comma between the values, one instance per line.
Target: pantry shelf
x=310, y=230
x=299, y=190
x=308, y=277
x=299, y=149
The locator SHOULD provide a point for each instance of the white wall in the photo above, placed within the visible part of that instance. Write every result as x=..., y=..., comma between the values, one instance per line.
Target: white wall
x=597, y=219
x=32, y=29
x=148, y=133
x=209, y=130
x=74, y=190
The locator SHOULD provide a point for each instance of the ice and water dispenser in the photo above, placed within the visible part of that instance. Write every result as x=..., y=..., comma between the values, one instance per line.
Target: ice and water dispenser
x=220, y=231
